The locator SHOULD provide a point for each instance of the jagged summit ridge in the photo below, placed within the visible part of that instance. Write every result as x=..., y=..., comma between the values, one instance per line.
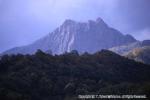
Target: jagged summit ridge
x=88, y=36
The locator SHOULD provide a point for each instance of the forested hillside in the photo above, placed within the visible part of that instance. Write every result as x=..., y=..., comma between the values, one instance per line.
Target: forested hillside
x=63, y=77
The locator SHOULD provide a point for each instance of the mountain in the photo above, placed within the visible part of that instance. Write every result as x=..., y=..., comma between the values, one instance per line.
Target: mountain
x=140, y=54
x=64, y=77
x=125, y=49
x=88, y=36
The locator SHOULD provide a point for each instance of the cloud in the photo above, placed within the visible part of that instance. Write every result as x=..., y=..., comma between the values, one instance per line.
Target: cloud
x=142, y=34
x=24, y=21
x=135, y=13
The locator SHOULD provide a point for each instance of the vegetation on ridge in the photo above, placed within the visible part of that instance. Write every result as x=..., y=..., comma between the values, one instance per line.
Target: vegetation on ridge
x=63, y=77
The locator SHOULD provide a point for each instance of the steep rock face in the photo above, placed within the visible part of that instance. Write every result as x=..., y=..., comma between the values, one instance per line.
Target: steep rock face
x=84, y=37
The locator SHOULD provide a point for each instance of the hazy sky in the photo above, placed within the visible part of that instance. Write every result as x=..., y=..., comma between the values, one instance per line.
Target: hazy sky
x=24, y=21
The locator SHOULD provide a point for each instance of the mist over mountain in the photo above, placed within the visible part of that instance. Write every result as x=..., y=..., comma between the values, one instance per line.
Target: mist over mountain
x=138, y=51
x=125, y=49
x=88, y=36
x=140, y=54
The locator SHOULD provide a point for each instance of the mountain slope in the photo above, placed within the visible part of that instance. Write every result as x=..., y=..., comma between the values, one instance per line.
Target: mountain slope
x=64, y=77
x=125, y=49
x=140, y=54
x=84, y=37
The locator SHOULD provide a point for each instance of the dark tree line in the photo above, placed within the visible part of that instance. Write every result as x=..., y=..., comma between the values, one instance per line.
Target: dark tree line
x=62, y=77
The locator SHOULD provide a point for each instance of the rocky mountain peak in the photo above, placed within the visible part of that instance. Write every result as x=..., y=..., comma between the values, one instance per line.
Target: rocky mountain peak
x=100, y=21
x=90, y=36
x=68, y=22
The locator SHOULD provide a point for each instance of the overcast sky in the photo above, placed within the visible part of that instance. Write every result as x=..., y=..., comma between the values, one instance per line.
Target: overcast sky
x=24, y=21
